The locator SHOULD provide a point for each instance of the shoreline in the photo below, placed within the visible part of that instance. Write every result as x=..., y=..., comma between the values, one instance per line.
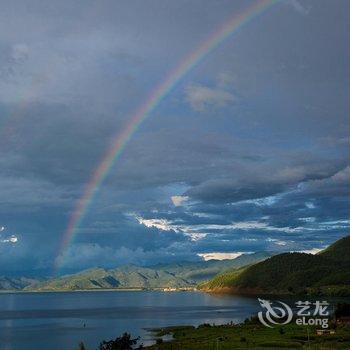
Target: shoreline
x=251, y=334
x=11, y=291
x=216, y=291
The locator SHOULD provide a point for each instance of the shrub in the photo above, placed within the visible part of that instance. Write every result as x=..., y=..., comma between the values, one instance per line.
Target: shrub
x=276, y=344
x=121, y=343
x=204, y=325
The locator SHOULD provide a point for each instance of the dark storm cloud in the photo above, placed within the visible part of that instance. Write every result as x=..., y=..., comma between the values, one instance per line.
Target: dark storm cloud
x=252, y=146
x=259, y=182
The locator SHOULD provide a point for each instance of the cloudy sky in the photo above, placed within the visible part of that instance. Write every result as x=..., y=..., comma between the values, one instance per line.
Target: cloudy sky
x=250, y=151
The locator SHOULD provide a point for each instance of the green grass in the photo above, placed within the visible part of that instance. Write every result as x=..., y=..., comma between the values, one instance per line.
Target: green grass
x=251, y=336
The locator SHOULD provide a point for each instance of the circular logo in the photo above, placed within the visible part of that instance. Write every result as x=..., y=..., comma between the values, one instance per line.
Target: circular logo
x=275, y=313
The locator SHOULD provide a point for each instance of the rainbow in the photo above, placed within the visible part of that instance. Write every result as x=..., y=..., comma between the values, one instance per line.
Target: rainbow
x=160, y=92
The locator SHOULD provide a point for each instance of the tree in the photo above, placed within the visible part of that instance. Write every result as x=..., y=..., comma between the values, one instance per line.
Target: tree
x=121, y=343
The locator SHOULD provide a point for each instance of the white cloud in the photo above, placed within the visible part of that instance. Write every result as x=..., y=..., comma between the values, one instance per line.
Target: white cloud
x=197, y=231
x=179, y=200
x=161, y=224
x=276, y=241
x=266, y=201
x=11, y=239
x=256, y=225
x=308, y=219
x=201, y=97
x=298, y=7
x=310, y=205
x=200, y=231
x=195, y=236
x=322, y=226
x=311, y=251
x=167, y=225
x=220, y=255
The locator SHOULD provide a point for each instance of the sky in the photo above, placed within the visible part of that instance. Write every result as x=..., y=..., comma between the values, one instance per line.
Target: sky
x=248, y=152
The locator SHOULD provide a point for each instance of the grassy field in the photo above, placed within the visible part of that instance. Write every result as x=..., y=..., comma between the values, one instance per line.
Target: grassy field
x=251, y=336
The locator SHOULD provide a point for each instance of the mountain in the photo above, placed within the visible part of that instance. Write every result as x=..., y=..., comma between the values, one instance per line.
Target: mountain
x=179, y=275
x=327, y=273
x=339, y=250
x=123, y=277
x=195, y=272
x=16, y=283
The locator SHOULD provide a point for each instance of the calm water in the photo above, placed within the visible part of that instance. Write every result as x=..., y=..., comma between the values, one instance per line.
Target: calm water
x=55, y=321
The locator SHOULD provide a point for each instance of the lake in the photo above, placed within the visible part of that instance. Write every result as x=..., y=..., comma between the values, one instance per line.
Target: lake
x=57, y=321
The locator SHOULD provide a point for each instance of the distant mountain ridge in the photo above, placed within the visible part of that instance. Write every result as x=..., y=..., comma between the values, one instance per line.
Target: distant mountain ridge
x=326, y=273
x=177, y=275
x=16, y=283
x=196, y=272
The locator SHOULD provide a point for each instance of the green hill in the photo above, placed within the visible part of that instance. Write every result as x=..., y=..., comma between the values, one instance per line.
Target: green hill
x=339, y=250
x=124, y=277
x=327, y=273
x=179, y=275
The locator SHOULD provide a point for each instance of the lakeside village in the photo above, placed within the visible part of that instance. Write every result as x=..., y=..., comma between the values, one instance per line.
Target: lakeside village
x=183, y=289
